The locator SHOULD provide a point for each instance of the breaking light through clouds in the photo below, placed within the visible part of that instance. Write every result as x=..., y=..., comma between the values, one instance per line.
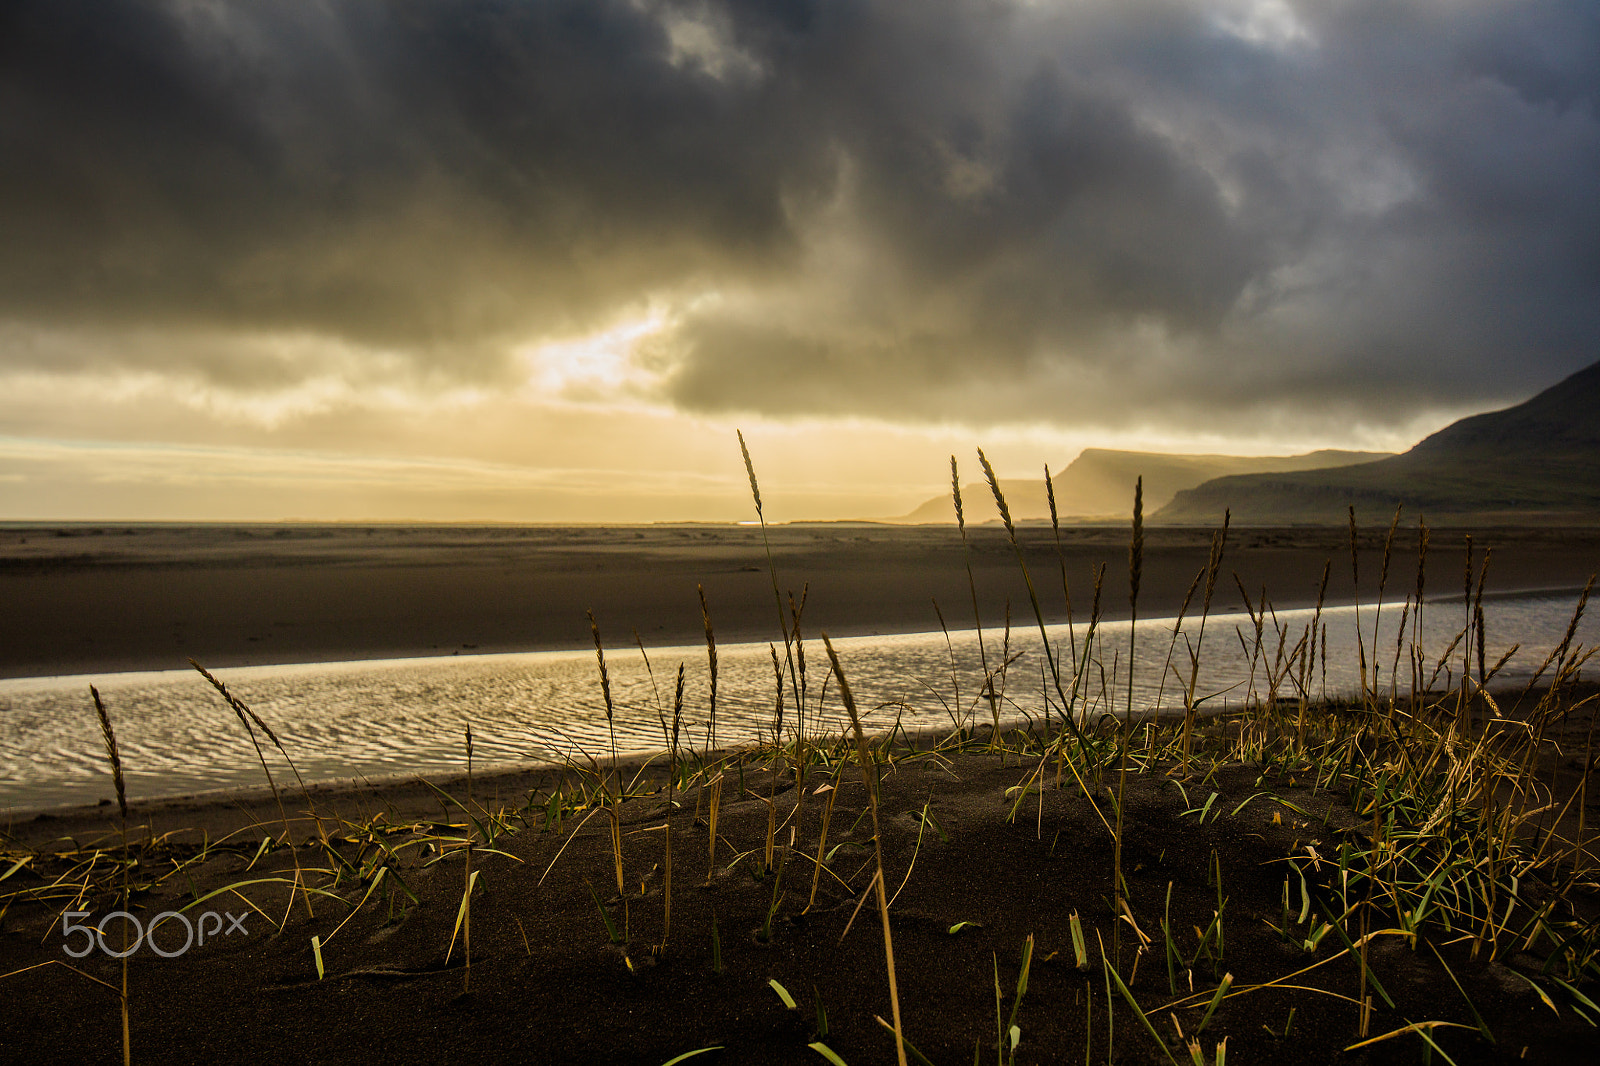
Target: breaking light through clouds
x=600, y=367
x=527, y=260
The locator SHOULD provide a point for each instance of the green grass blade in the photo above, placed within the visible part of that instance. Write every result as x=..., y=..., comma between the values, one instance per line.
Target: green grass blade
x=910, y=1048
x=826, y=1052
x=1247, y=802
x=1482, y=1025
x=461, y=913
x=1022, y=990
x=1216, y=998
x=611, y=930
x=1548, y=1002
x=1138, y=1011
x=19, y=864
x=1579, y=996
x=1080, y=950
x=1372, y=978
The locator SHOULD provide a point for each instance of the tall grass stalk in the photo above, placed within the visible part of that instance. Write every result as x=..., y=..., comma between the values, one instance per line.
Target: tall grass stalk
x=711, y=665
x=246, y=716
x=715, y=784
x=114, y=757
x=1383, y=582
x=956, y=711
x=467, y=878
x=1061, y=561
x=1355, y=583
x=243, y=710
x=1068, y=708
x=1219, y=544
x=977, y=619
x=1119, y=887
x=605, y=692
x=666, y=862
x=798, y=761
x=772, y=572
x=796, y=613
x=1309, y=659
x=822, y=840
x=802, y=748
x=1177, y=629
x=869, y=778
x=613, y=795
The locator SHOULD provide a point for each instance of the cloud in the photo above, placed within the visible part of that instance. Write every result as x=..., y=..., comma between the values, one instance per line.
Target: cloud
x=1094, y=214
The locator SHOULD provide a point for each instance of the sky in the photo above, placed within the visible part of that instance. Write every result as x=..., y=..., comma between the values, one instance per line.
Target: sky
x=513, y=260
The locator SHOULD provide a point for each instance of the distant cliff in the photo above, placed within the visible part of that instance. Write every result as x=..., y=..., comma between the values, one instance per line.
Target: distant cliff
x=1099, y=483
x=1536, y=462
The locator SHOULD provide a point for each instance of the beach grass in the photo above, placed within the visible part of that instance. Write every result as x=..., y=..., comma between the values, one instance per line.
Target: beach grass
x=1338, y=853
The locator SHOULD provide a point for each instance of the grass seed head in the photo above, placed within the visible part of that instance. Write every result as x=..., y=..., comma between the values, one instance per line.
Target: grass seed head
x=750, y=469
x=955, y=493
x=112, y=753
x=1050, y=494
x=999, y=497
x=1136, y=545
x=600, y=656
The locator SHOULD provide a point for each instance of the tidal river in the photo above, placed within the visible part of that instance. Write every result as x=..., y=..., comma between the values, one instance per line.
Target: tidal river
x=350, y=721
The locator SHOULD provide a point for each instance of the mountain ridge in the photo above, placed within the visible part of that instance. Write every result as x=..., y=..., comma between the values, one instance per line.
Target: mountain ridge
x=1534, y=461
x=1099, y=483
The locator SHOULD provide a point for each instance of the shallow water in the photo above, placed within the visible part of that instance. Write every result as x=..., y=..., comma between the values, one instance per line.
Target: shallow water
x=346, y=721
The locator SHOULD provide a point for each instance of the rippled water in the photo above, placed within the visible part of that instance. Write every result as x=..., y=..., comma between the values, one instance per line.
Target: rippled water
x=378, y=718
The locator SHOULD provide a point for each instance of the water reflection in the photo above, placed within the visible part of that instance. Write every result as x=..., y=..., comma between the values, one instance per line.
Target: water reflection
x=367, y=719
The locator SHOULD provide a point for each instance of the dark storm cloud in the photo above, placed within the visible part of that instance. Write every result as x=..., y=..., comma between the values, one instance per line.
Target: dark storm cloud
x=958, y=209
x=423, y=176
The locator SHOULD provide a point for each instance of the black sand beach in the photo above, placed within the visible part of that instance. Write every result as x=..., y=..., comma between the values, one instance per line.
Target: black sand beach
x=101, y=598
x=588, y=944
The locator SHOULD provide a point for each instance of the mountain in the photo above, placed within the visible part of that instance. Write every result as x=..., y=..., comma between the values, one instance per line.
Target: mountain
x=1099, y=483
x=1536, y=462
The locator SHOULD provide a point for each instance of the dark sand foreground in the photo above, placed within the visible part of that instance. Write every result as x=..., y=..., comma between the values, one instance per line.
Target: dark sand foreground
x=549, y=984
x=81, y=599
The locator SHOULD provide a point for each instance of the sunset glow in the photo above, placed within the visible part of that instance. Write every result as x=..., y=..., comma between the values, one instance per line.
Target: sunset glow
x=537, y=261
